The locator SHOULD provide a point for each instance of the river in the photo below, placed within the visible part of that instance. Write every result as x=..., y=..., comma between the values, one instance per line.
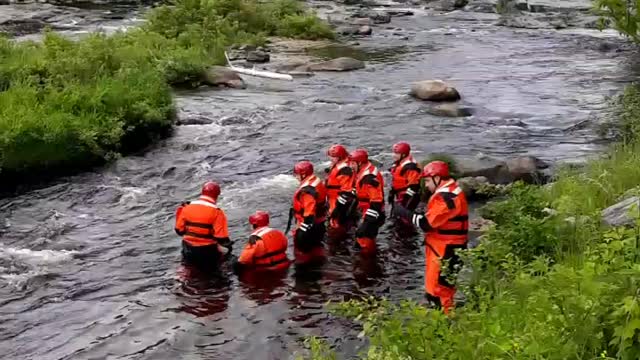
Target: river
x=89, y=265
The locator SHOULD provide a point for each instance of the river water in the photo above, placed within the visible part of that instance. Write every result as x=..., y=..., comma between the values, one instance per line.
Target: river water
x=89, y=266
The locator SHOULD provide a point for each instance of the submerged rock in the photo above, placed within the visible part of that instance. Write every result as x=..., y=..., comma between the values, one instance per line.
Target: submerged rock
x=434, y=90
x=449, y=109
x=339, y=64
x=222, y=76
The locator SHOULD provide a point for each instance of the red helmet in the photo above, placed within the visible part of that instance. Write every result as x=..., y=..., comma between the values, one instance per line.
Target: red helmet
x=402, y=148
x=436, y=168
x=359, y=156
x=303, y=168
x=211, y=189
x=338, y=151
x=259, y=219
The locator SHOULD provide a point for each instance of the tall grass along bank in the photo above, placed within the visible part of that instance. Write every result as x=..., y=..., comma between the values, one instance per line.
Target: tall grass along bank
x=548, y=281
x=66, y=105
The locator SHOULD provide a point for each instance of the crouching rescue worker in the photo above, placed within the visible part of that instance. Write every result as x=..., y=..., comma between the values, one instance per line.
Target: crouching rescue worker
x=204, y=230
x=445, y=224
x=339, y=184
x=309, y=210
x=267, y=247
x=368, y=186
x=405, y=187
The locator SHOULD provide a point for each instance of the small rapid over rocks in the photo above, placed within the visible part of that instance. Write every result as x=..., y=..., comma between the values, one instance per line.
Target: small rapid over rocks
x=89, y=265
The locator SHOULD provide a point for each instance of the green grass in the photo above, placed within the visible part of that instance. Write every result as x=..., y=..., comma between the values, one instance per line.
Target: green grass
x=67, y=105
x=549, y=281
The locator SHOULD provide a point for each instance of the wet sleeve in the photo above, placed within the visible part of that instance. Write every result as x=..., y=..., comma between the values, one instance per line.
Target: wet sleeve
x=345, y=177
x=220, y=226
x=439, y=212
x=180, y=223
x=309, y=205
x=413, y=177
x=374, y=190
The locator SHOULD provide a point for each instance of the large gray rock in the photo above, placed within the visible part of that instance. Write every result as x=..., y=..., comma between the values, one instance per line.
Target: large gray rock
x=258, y=56
x=449, y=109
x=355, y=30
x=479, y=188
x=339, y=64
x=446, y=5
x=378, y=17
x=526, y=168
x=434, y=90
x=624, y=213
x=222, y=76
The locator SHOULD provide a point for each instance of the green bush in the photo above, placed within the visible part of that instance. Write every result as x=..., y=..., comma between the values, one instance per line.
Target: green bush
x=69, y=104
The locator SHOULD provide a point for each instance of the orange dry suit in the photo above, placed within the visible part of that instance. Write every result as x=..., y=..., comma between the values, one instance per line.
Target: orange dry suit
x=368, y=186
x=266, y=250
x=446, y=224
x=309, y=209
x=339, y=184
x=405, y=186
x=202, y=225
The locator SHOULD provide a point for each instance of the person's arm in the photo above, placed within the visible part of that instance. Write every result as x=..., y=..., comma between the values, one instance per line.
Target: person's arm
x=221, y=232
x=345, y=197
x=376, y=199
x=180, y=226
x=308, y=211
x=413, y=183
x=439, y=212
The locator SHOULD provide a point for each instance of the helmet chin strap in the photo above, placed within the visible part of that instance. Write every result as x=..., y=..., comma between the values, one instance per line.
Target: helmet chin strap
x=433, y=178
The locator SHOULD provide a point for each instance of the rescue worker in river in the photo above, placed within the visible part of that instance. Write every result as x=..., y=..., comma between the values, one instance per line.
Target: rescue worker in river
x=267, y=247
x=339, y=185
x=204, y=230
x=445, y=224
x=405, y=186
x=309, y=210
x=368, y=186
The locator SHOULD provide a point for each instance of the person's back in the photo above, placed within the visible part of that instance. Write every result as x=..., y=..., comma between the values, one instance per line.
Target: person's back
x=266, y=248
x=203, y=227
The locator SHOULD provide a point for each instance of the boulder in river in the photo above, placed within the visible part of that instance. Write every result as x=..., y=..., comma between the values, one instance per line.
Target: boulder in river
x=624, y=213
x=446, y=5
x=378, y=17
x=222, y=76
x=258, y=56
x=363, y=30
x=479, y=188
x=434, y=90
x=449, y=109
x=526, y=168
x=194, y=120
x=339, y=64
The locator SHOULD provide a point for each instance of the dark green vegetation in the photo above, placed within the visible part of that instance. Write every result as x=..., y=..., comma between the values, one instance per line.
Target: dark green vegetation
x=549, y=280
x=66, y=105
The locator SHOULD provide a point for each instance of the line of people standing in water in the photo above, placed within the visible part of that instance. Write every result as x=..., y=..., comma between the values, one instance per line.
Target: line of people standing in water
x=351, y=196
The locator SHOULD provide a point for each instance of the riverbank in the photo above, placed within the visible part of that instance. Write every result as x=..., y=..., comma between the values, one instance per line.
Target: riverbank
x=68, y=105
x=556, y=277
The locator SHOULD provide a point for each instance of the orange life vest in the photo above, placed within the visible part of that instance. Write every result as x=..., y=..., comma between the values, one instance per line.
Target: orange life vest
x=405, y=174
x=313, y=186
x=340, y=179
x=369, y=186
x=454, y=230
x=201, y=222
x=267, y=250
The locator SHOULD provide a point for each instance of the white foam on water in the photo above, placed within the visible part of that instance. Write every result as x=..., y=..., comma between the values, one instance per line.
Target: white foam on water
x=37, y=257
x=19, y=280
x=235, y=194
